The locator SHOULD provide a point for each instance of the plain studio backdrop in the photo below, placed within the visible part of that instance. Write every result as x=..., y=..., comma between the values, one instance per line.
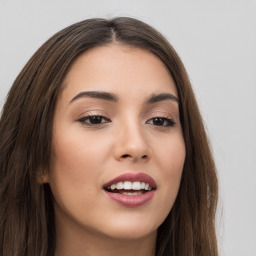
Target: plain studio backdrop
x=217, y=43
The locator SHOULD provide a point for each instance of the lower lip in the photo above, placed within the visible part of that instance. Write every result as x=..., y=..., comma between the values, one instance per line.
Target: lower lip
x=131, y=200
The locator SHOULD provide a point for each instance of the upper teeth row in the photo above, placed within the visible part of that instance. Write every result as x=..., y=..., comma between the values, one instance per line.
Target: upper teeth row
x=136, y=185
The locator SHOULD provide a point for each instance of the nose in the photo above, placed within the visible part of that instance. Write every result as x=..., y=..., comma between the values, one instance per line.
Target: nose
x=131, y=144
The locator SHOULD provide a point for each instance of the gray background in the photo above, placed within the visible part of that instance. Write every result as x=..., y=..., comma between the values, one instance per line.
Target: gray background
x=217, y=43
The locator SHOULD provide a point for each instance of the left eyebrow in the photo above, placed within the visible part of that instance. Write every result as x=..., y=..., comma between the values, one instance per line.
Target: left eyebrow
x=162, y=96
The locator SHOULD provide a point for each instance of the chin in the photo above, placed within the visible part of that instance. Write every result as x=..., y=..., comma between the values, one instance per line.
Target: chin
x=131, y=233
x=129, y=227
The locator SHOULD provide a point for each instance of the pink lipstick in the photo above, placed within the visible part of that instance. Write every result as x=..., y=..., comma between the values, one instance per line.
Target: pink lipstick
x=131, y=189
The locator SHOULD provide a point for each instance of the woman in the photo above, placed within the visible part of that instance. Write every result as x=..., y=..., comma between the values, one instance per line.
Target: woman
x=103, y=150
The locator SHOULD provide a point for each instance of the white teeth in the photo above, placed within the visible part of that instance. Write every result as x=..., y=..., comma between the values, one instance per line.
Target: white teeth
x=136, y=185
x=119, y=185
x=113, y=186
x=128, y=185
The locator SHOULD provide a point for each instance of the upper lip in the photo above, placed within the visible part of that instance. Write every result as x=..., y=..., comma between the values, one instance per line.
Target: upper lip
x=142, y=177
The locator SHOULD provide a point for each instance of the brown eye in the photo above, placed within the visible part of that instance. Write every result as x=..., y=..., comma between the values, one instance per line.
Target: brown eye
x=161, y=121
x=93, y=120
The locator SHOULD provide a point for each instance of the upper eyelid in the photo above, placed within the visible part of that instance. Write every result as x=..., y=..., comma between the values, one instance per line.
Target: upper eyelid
x=163, y=117
x=147, y=115
x=95, y=112
x=85, y=121
x=111, y=113
x=161, y=113
x=109, y=120
x=91, y=115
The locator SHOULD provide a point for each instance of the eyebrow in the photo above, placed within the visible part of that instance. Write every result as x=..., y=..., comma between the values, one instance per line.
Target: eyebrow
x=162, y=97
x=114, y=98
x=96, y=95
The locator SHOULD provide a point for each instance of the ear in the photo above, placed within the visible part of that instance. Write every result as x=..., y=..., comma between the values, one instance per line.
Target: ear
x=43, y=177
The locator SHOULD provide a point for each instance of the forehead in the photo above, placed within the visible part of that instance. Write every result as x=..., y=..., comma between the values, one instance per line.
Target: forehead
x=120, y=69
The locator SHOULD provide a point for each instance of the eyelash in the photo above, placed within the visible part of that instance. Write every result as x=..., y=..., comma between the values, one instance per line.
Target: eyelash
x=84, y=120
x=168, y=121
x=88, y=120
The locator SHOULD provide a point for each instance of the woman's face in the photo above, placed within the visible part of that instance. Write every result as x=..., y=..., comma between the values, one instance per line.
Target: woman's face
x=118, y=148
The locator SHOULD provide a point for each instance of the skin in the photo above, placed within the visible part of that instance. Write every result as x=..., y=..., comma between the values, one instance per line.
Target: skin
x=127, y=140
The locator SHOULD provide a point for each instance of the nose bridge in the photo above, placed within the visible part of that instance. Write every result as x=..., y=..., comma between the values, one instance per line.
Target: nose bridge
x=131, y=140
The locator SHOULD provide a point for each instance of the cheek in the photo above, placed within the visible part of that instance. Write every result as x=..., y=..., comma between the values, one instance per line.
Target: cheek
x=70, y=168
x=72, y=175
x=78, y=146
x=171, y=161
x=175, y=158
x=76, y=151
x=171, y=155
x=77, y=162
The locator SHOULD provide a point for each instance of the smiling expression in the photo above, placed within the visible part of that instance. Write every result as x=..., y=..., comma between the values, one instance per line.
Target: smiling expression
x=117, y=144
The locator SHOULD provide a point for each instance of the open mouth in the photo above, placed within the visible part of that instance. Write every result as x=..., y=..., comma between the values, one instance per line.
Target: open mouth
x=129, y=188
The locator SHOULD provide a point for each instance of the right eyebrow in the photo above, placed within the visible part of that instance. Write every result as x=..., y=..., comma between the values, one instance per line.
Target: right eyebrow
x=96, y=95
x=161, y=97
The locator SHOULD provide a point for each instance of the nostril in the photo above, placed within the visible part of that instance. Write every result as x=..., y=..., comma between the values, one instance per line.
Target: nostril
x=125, y=156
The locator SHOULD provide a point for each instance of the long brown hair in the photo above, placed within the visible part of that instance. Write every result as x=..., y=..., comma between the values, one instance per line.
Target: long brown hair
x=26, y=211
